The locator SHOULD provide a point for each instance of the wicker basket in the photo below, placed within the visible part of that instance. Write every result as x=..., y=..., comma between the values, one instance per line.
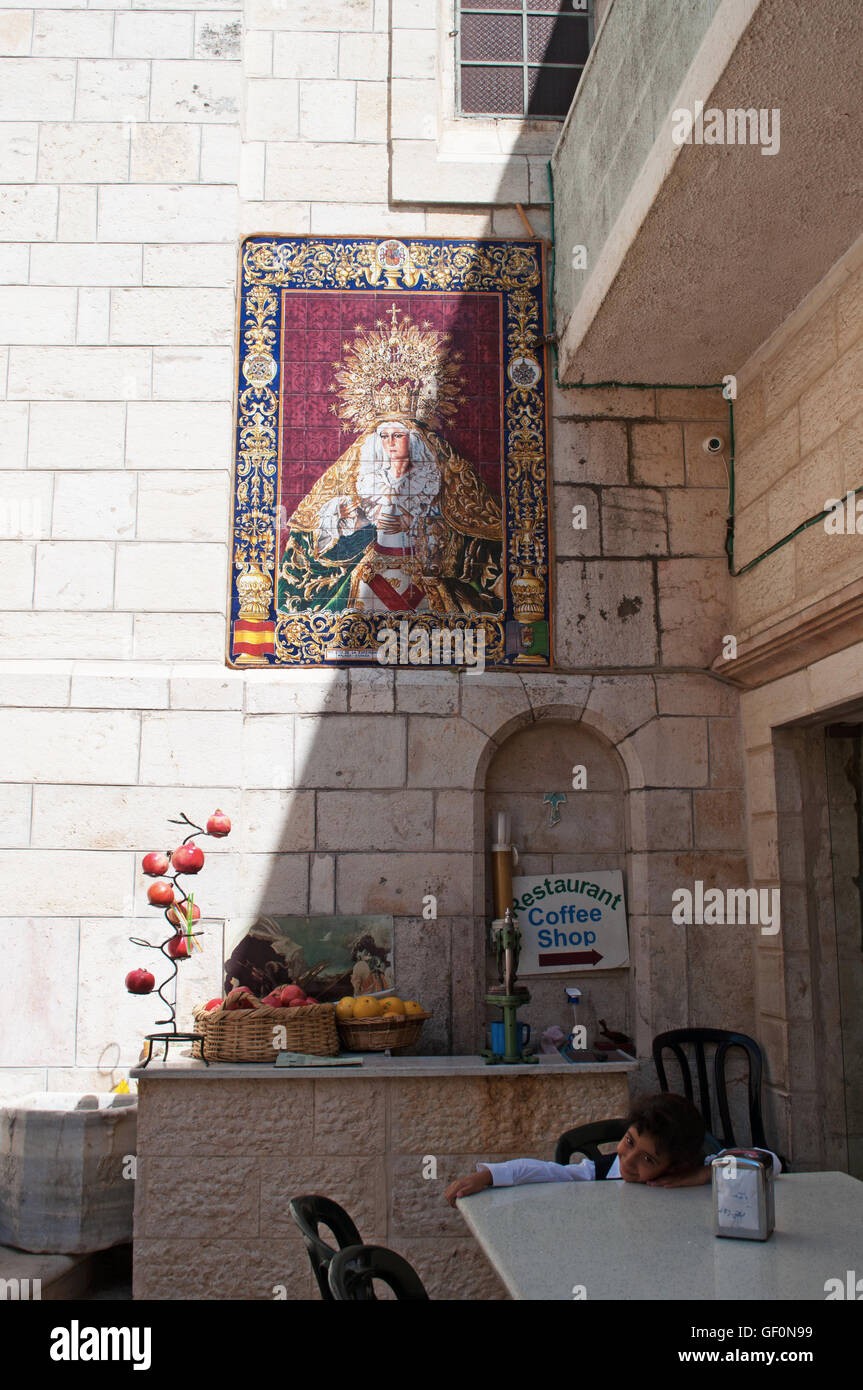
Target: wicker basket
x=378, y=1034
x=246, y=1035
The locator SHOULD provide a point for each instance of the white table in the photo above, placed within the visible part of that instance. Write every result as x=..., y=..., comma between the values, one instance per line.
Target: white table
x=623, y=1240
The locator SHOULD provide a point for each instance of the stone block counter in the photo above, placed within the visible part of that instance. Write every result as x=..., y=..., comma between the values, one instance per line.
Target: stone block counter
x=222, y=1150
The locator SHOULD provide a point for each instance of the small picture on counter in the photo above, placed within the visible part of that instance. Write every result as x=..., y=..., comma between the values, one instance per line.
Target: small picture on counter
x=328, y=957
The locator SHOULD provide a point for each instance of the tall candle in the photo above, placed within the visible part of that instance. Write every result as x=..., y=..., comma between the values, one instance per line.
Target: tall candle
x=502, y=829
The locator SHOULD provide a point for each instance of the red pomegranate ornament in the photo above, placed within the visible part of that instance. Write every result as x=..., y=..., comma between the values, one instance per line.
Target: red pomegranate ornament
x=156, y=864
x=188, y=859
x=218, y=825
x=140, y=982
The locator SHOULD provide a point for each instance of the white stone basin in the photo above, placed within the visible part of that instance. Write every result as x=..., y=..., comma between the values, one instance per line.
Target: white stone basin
x=62, y=1161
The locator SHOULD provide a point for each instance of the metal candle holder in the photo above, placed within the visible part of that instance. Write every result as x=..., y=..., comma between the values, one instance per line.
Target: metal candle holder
x=508, y=996
x=173, y=1036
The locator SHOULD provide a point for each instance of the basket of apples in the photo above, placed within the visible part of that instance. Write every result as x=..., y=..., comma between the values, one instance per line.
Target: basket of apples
x=243, y=1028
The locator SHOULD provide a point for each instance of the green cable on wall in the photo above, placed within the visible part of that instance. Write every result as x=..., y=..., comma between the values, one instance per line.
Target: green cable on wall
x=670, y=386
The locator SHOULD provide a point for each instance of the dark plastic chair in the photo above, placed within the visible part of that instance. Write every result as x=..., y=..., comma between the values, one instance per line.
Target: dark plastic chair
x=352, y=1271
x=310, y=1213
x=586, y=1139
x=724, y=1040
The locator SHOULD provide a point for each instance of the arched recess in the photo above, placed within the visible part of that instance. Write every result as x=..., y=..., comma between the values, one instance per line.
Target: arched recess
x=593, y=833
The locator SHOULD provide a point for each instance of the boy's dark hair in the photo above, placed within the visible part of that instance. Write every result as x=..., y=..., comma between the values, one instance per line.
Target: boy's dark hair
x=674, y=1124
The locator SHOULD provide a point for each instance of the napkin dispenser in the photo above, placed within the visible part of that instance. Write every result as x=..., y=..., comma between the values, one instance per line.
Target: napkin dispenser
x=743, y=1194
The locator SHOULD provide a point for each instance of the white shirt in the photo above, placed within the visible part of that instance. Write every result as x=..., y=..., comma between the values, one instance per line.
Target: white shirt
x=520, y=1170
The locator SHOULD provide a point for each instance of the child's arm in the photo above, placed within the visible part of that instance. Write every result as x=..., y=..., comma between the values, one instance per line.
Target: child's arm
x=519, y=1170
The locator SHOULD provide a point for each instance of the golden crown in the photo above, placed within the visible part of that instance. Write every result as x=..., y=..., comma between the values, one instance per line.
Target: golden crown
x=402, y=372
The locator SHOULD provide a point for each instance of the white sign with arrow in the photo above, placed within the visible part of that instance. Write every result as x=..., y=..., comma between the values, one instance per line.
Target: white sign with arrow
x=571, y=922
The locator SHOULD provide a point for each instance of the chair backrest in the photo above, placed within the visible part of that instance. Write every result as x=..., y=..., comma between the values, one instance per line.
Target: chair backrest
x=310, y=1213
x=352, y=1271
x=724, y=1041
x=586, y=1139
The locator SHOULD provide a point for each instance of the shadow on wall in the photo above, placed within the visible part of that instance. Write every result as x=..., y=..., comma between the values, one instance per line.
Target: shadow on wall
x=380, y=815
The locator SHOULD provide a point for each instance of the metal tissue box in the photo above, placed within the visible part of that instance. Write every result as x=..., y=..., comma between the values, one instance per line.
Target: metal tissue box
x=743, y=1194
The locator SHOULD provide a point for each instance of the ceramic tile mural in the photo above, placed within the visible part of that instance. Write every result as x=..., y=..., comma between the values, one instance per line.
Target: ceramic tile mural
x=391, y=490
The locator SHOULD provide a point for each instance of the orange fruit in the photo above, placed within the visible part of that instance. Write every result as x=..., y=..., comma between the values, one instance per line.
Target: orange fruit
x=392, y=1005
x=345, y=1007
x=411, y=1007
x=366, y=1007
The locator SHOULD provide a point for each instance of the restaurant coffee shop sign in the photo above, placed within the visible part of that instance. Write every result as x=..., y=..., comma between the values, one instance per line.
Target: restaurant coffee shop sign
x=571, y=922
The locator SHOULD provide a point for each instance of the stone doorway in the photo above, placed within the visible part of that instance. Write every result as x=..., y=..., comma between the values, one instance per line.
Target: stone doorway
x=819, y=790
x=844, y=764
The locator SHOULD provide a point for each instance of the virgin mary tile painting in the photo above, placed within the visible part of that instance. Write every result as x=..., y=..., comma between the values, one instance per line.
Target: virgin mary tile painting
x=392, y=433
x=400, y=523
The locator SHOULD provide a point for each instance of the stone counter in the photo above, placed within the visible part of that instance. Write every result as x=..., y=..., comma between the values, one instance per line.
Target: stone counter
x=222, y=1149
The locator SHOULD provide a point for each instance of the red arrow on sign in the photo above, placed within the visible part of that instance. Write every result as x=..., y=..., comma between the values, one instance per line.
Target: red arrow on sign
x=570, y=958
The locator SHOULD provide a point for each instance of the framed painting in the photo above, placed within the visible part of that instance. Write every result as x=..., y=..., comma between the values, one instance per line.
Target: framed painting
x=391, y=481
x=327, y=956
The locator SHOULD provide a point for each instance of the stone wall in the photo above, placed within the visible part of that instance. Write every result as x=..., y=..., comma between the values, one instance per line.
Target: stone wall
x=798, y=428
x=797, y=447
x=245, y=1148
x=139, y=145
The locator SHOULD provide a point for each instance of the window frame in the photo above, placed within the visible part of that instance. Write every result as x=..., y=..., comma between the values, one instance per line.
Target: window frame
x=524, y=64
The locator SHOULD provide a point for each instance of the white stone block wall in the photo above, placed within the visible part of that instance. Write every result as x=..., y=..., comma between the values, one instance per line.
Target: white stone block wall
x=138, y=144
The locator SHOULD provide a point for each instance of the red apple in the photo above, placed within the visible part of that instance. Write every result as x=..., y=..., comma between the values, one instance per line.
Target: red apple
x=292, y=992
x=188, y=859
x=161, y=893
x=140, y=982
x=213, y=1004
x=178, y=915
x=177, y=948
x=156, y=864
x=218, y=825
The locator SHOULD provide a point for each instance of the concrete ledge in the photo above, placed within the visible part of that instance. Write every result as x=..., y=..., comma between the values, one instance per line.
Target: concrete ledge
x=375, y=1067
x=709, y=249
x=823, y=629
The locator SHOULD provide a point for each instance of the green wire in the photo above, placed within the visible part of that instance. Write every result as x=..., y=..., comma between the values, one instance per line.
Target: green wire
x=670, y=386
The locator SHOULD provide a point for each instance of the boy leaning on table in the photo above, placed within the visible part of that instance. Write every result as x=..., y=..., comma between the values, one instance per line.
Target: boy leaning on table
x=662, y=1147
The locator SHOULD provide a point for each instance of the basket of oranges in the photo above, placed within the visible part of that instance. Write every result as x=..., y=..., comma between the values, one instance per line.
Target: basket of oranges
x=367, y=1024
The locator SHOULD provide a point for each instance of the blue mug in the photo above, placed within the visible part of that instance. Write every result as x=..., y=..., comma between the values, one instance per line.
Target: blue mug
x=497, y=1040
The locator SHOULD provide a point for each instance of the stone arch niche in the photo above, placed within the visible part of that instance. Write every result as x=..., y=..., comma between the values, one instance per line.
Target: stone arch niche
x=592, y=834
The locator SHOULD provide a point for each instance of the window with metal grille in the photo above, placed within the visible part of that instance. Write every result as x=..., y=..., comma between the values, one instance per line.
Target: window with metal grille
x=521, y=57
